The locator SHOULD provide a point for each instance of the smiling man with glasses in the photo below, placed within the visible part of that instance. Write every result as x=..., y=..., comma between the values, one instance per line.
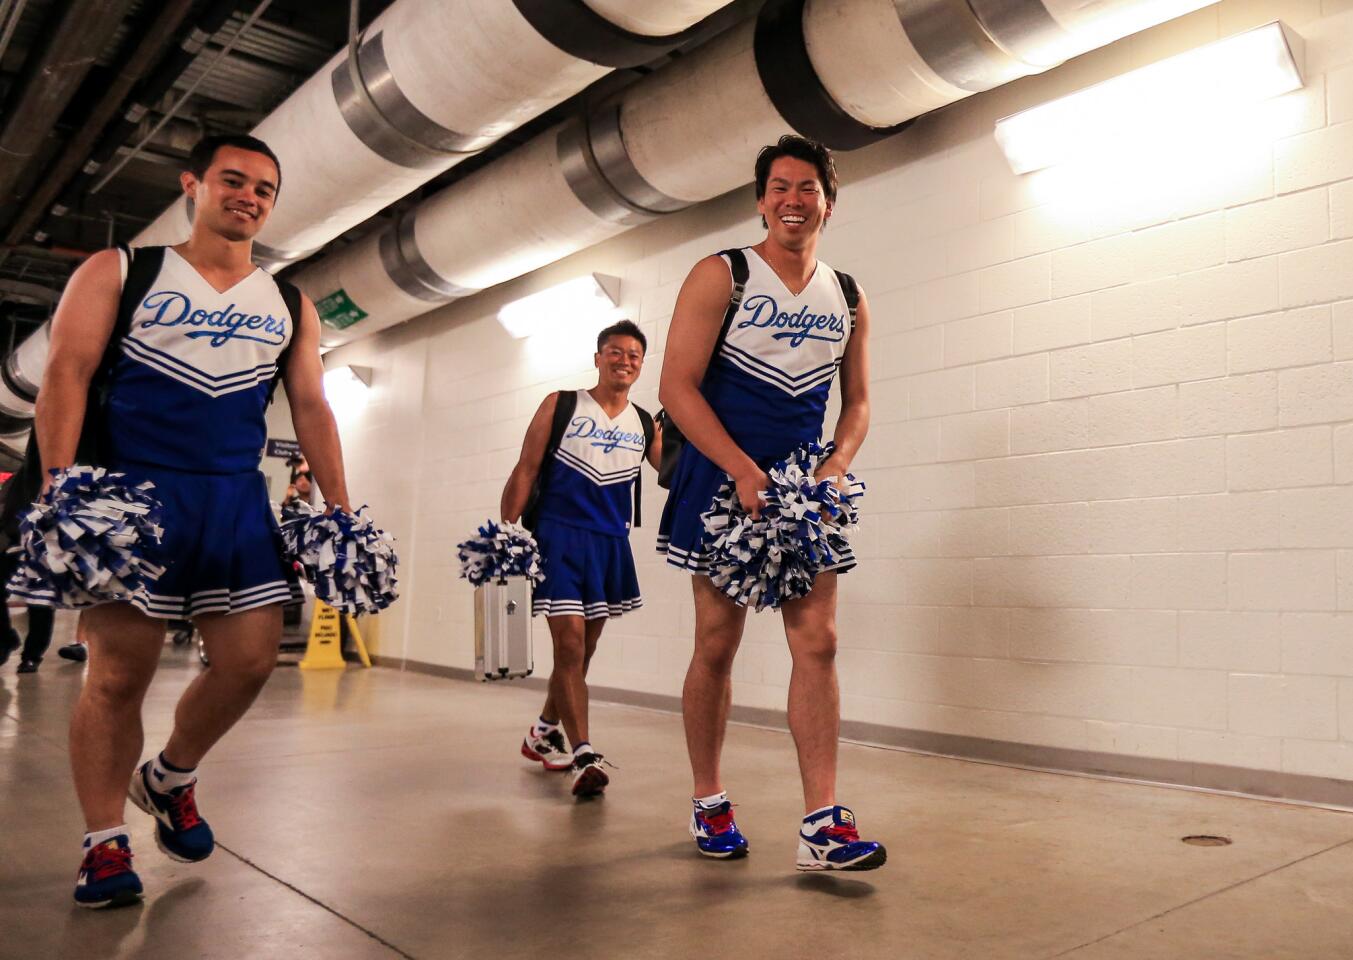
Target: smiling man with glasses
x=576, y=487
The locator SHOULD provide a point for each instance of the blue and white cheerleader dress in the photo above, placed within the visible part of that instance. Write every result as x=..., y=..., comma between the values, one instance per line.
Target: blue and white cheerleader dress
x=184, y=406
x=585, y=514
x=768, y=383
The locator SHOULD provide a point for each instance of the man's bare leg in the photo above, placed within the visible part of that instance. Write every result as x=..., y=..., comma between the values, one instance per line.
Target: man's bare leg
x=708, y=693
x=106, y=735
x=242, y=648
x=591, y=634
x=814, y=698
x=568, y=689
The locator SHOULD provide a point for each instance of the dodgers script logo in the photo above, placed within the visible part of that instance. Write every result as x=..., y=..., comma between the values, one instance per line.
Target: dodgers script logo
x=797, y=327
x=609, y=439
x=173, y=309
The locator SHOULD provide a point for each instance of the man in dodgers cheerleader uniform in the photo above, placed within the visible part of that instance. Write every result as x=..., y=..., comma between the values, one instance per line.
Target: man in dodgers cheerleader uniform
x=746, y=393
x=588, y=470
x=179, y=399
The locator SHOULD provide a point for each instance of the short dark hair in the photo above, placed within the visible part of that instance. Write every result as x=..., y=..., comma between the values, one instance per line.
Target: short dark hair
x=204, y=152
x=800, y=148
x=623, y=328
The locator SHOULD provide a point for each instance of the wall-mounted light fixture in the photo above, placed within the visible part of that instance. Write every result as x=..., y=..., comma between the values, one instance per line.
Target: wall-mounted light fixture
x=588, y=301
x=1175, y=98
x=346, y=388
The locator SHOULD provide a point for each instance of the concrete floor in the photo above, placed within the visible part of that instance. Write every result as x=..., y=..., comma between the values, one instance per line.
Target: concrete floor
x=374, y=814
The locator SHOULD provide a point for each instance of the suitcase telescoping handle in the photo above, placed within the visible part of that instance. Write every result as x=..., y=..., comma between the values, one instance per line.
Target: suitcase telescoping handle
x=504, y=657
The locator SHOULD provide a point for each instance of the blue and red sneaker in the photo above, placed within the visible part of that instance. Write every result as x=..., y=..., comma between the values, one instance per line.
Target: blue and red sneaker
x=106, y=877
x=179, y=830
x=715, y=833
x=835, y=844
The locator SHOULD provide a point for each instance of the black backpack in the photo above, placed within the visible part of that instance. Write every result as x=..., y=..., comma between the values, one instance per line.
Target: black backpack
x=672, y=437
x=143, y=266
x=564, y=408
x=20, y=490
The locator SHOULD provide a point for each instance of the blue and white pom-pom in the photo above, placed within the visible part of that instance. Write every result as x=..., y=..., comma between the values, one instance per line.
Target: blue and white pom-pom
x=350, y=562
x=500, y=550
x=92, y=538
x=803, y=529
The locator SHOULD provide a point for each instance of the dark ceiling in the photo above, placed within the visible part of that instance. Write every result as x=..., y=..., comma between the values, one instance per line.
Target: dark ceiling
x=270, y=59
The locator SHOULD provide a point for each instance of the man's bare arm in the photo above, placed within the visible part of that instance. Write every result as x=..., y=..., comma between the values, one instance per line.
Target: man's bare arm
x=310, y=414
x=853, y=423
x=695, y=326
x=84, y=321
x=523, y=477
x=654, y=452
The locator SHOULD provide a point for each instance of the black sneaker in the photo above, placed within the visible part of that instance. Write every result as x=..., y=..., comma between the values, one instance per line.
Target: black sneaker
x=589, y=779
x=73, y=651
x=28, y=666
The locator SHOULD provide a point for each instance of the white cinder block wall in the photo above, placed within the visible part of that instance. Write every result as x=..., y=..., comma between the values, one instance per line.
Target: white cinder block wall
x=1111, y=462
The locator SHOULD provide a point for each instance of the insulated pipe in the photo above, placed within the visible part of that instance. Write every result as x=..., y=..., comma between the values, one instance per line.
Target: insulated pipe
x=433, y=82
x=846, y=72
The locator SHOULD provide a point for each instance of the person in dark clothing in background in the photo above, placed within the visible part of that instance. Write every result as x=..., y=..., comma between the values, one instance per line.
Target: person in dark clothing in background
x=19, y=492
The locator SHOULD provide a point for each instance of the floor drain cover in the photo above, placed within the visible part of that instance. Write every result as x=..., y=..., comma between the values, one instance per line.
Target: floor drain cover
x=1205, y=840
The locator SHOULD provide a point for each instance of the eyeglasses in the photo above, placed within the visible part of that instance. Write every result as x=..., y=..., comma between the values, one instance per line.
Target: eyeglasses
x=301, y=473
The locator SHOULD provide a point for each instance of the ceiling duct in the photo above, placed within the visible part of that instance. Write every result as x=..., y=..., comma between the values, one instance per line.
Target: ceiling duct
x=366, y=130
x=846, y=72
x=843, y=71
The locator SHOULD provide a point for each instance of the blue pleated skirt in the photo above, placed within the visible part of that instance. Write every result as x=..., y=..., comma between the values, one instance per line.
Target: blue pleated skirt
x=587, y=574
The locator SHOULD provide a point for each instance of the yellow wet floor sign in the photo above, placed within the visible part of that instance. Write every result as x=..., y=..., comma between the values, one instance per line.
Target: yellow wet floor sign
x=324, y=651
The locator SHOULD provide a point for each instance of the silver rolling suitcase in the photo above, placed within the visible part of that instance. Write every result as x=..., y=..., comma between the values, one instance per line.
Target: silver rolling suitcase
x=502, y=629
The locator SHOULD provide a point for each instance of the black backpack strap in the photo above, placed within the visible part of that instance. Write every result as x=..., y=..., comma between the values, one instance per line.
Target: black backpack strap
x=650, y=431
x=143, y=266
x=565, y=405
x=737, y=265
x=852, y=291
x=291, y=296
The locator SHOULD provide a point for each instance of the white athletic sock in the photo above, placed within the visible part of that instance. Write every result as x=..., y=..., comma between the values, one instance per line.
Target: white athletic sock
x=165, y=777
x=96, y=837
x=542, y=727
x=582, y=748
x=712, y=801
x=819, y=813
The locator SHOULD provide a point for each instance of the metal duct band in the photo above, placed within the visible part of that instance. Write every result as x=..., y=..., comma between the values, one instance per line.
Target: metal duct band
x=406, y=266
x=1027, y=30
x=953, y=43
x=17, y=384
x=590, y=185
x=793, y=86
x=271, y=258
x=12, y=426
x=382, y=117
x=581, y=32
x=613, y=160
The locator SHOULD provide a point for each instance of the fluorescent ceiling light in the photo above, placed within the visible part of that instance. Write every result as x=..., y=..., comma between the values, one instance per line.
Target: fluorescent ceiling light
x=1173, y=98
x=587, y=300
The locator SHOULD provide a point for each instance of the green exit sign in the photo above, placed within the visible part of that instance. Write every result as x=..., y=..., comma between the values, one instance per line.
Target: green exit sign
x=338, y=311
